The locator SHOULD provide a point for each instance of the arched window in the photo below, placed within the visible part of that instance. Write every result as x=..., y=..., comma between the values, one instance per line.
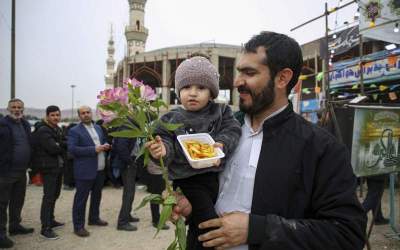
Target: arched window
x=137, y=25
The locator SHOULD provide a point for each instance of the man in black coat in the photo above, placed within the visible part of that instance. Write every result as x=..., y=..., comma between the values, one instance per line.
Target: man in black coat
x=124, y=159
x=50, y=148
x=15, y=155
x=289, y=184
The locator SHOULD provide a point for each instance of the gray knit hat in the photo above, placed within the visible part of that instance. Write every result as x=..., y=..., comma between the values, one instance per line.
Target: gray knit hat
x=197, y=70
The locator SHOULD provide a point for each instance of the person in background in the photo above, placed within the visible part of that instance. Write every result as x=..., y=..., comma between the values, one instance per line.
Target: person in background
x=68, y=180
x=50, y=148
x=87, y=144
x=124, y=160
x=109, y=178
x=34, y=175
x=376, y=186
x=15, y=156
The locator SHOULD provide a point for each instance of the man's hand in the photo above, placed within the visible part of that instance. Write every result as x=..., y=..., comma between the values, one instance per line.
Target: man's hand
x=156, y=148
x=99, y=148
x=182, y=207
x=106, y=146
x=232, y=230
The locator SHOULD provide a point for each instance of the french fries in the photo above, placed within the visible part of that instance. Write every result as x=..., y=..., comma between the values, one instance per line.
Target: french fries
x=198, y=150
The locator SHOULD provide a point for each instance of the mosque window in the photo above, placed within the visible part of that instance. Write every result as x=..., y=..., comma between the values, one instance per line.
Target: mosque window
x=137, y=25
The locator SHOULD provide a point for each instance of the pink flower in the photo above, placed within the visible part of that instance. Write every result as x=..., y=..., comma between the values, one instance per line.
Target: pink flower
x=106, y=115
x=106, y=96
x=132, y=81
x=114, y=95
x=147, y=93
x=121, y=95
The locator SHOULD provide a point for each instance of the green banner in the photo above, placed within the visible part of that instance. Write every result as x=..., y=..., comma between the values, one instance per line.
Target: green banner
x=376, y=140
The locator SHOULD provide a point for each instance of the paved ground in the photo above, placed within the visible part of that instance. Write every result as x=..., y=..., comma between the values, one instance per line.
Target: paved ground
x=109, y=238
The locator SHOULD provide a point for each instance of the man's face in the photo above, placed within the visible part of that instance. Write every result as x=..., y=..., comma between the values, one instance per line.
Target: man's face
x=53, y=118
x=85, y=114
x=16, y=109
x=254, y=83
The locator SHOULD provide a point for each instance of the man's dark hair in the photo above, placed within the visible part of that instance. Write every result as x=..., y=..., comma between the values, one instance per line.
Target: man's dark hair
x=281, y=52
x=52, y=108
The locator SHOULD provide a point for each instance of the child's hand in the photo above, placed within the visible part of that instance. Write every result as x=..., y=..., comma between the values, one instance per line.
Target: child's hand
x=217, y=163
x=221, y=146
x=156, y=148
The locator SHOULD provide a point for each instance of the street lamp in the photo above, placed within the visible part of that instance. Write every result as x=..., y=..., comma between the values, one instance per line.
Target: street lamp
x=72, y=109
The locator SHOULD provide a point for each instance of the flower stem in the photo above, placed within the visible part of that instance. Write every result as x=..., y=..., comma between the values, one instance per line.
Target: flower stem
x=165, y=176
x=164, y=172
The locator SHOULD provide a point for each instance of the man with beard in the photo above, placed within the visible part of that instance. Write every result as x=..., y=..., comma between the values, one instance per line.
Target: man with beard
x=15, y=155
x=87, y=144
x=289, y=184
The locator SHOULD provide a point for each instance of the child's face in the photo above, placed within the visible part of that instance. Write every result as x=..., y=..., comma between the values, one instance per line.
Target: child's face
x=194, y=97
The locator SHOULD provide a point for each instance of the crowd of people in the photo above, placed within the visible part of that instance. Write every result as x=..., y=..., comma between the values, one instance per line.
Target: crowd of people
x=285, y=183
x=78, y=156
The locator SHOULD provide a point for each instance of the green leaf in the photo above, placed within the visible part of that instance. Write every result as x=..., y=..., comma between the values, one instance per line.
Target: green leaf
x=114, y=106
x=181, y=233
x=141, y=119
x=146, y=157
x=157, y=201
x=141, y=152
x=172, y=246
x=129, y=133
x=158, y=103
x=136, y=92
x=170, y=200
x=147, y=199
x=170, y=126
x=117, y=122
x=164, y=216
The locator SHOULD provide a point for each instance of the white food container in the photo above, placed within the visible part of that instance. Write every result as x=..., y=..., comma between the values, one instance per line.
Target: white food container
x=203, y=138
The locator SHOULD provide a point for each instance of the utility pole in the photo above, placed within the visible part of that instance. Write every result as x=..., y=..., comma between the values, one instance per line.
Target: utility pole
x=326, y=60
x=72, y=103
x=13, y=49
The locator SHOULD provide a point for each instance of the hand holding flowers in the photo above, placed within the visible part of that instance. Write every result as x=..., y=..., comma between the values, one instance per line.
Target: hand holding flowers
x=136, y=108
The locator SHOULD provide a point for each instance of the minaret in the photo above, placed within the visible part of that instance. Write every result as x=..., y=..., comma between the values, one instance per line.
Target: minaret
x=109, y=77
x=136, y=34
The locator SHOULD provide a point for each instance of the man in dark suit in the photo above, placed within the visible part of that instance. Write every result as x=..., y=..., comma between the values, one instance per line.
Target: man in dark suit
x=15, y=155
x=87, y=144
x=124, y=160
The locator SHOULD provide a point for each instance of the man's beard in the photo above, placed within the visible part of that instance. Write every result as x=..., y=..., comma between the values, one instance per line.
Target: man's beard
x=260, y=101
x=16, y=117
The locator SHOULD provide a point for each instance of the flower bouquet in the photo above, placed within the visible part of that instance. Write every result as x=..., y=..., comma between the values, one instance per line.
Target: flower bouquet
x=136, y=108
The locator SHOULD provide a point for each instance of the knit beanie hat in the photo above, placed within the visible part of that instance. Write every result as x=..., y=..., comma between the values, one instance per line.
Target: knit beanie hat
x=197, y=70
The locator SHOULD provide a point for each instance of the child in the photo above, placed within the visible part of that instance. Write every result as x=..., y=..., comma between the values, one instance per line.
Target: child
x=196, y=84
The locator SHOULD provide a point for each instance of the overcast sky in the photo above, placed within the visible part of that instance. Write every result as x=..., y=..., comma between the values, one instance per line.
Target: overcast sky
x=64, y=42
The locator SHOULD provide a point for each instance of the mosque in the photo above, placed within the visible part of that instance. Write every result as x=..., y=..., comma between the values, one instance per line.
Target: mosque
x=157, y=68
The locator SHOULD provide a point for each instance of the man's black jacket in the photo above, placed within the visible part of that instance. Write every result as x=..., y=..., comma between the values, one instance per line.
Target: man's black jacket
x=49, y=146
x=304, y=190
x=7, y=142
x=121, y=152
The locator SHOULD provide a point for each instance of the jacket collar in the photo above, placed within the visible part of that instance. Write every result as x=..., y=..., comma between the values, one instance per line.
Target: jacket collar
x=274, y=122
x=96, y=127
